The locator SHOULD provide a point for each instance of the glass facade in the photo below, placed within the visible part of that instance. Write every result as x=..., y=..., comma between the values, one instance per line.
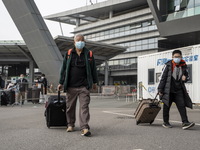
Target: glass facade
x=128, y=30
x=122, y=64
x=181, y=8
x=139, y=45
x=132, y=46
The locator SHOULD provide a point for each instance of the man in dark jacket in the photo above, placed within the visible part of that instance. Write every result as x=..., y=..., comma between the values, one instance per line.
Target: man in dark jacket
x=43, y=80
x=172, y=89
x=78, y=74
x=22, y=84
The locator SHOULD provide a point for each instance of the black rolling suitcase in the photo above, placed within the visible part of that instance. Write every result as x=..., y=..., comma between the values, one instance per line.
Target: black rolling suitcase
x=10, y=96
x=55, y=112
x=4, y=98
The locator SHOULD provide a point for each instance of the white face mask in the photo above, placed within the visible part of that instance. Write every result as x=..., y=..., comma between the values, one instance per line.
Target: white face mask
x=177, y=60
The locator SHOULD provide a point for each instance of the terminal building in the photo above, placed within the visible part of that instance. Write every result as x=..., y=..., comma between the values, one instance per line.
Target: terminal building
x=124, y=23
x=118, y=31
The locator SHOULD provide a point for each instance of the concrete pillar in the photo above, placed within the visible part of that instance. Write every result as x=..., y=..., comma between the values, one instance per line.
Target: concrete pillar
x=106, y=73
x=78, y=22
x=110, y=14
x=31, y=73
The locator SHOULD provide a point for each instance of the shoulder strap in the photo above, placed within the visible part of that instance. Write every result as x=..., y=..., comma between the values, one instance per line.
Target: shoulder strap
x=69, y=53
x=90, y=55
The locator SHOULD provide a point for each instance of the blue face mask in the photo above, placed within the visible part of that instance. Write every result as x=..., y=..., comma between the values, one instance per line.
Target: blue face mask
x=80, y=44
x=177, y=60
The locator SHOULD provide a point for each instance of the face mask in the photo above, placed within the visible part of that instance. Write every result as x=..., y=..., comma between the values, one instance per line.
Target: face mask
x=80, y=44
x=177, y=60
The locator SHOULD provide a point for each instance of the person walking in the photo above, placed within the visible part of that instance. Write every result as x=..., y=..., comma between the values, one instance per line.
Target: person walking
x=22, y=84
x=78, y=75
x=43, y=80
x=172, y=89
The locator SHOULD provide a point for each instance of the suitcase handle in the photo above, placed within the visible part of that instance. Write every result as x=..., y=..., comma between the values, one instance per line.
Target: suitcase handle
x=58, y=96
x=155, y=97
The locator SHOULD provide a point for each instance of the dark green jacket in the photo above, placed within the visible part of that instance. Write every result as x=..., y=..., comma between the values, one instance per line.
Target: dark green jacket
x=90, y=69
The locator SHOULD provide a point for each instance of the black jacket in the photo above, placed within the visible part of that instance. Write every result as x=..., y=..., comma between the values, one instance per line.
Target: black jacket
x=44, y=81
x=165, y=84
x=22, y=86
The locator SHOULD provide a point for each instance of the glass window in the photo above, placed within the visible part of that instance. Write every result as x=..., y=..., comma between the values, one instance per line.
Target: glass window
x=133, y=31
x=110, y=63
x=144, y=41
x=121, y=34
x=197, y=3
x=133, y=48
x=197, y=10
x=151, y=40
x=121, y=29
x=138, y=30
x=112, y=31
x=138, y=42
x=127, y=28
x=101, y=33
x=144, y=24
x=97, y=34
x=138, y=47
x=116, y=30
x=115, y=62
x=107, y=32
x=151, y=76
x=145, y=29
x=145, y=46
x=190, y=4
x=137, y=25
x=151, y=46
x=127, y=32
x=133, y=60
x=121, y=62
x=132, y=43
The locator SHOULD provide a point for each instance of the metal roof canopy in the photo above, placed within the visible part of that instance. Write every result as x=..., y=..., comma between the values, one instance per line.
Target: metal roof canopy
x=14, y=52
x=92, y=13
x=101, y=51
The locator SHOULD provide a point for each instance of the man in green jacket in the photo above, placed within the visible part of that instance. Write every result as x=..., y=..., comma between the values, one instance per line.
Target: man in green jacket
x=78, y=74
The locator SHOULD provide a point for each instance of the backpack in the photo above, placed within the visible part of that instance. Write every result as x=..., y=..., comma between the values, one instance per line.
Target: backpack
x=70, y=51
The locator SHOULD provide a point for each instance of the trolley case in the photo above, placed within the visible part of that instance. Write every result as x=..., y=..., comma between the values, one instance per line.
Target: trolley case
x=55, y=112
x=147, y=110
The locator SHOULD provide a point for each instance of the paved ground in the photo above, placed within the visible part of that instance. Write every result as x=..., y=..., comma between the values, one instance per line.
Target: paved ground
x=112, y=125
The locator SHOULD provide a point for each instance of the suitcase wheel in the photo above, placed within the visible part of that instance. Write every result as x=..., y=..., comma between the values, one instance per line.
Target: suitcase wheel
x=137, y=122
x=48, y=125
x=151, y=122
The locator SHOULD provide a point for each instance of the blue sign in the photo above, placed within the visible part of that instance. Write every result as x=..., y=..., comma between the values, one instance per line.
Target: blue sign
x=162, y=61
x=151, y=89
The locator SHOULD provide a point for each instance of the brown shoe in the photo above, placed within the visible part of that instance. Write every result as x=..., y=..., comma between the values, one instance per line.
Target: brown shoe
x=85, y=132
x=70, y=129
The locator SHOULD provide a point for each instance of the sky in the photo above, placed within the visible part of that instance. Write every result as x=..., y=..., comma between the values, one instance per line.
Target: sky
x=8, y=30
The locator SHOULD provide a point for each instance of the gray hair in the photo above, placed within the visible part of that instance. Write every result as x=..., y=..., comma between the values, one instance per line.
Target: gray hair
x=78, y=35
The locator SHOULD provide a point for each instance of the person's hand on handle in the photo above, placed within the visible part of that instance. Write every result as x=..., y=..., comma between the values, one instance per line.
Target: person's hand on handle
x=160, y=93
x=94, y=86
x=183, y=78
x=60, y=86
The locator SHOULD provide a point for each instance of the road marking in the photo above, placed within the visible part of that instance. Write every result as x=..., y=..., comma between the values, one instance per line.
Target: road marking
x=121, y=114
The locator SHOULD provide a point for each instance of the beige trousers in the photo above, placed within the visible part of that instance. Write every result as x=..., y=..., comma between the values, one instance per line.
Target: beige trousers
x=20, y=97
x=84, y=99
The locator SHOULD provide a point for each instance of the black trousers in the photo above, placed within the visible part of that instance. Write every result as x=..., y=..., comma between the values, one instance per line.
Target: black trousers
x=178, y=98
